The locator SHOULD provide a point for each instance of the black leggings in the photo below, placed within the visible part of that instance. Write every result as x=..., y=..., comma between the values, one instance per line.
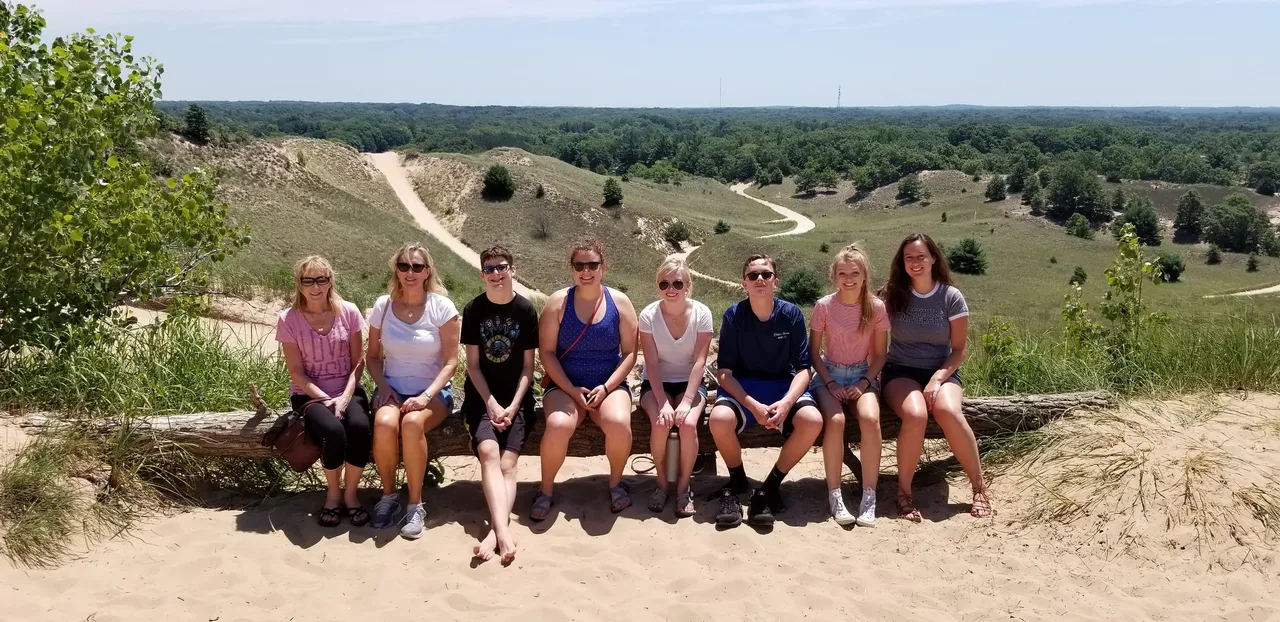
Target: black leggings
x=341, y=440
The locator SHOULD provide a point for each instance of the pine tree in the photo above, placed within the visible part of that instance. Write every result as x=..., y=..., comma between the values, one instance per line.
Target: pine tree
x=1189, y=222
x=612, y=192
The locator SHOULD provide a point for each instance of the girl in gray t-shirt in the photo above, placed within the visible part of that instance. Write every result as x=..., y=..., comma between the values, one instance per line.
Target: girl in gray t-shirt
x=928, y=340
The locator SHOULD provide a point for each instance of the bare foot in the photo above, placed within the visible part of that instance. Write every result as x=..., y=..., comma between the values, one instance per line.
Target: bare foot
x=507, y=547
x=484, y=551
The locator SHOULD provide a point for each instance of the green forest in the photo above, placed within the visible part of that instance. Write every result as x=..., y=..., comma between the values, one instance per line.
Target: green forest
x=873, y=147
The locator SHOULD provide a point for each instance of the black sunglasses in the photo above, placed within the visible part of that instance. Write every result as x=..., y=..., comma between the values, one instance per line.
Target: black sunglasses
x=678, y=284
x=590, y=266
x=502, y=267
x=308, y=281
x=405, y=266
x=756, y=276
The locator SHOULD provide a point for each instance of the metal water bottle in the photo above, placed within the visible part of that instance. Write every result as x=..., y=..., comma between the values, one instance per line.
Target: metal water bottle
x=672, y=466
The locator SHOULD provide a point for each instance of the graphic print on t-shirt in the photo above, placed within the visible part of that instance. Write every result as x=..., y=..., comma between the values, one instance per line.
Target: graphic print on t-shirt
x=928, y=316
x=500, y=335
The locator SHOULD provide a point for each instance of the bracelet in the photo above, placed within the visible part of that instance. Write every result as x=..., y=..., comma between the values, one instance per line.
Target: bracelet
x=829, y=382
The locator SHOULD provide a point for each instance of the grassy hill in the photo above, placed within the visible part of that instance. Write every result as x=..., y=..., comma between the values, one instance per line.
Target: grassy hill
x=539, y=230
x=1031, y=259
x=301, y=196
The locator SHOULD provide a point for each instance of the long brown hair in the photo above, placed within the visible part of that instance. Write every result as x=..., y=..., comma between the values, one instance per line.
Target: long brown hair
x=432, y=283
x=855, y=255
x=895, y=290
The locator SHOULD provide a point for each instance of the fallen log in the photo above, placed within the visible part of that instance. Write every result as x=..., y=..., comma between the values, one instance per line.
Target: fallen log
x=237, y=433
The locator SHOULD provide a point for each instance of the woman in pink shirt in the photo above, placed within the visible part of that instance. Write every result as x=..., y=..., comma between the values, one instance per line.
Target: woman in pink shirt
x=848, y=337
x=324, y=351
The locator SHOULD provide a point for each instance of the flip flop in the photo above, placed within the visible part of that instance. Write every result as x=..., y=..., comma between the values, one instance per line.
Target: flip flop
x=357, y=516
x=619, y=497
x=658, y=500
x=541, y=507
x=329, y=517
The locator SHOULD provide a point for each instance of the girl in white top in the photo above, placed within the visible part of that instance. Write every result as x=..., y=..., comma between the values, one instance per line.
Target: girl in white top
x=413, y=352
x=675, y=335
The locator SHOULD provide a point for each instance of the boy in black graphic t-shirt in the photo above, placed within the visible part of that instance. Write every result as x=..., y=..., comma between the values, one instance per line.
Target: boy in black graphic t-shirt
x=500, y=332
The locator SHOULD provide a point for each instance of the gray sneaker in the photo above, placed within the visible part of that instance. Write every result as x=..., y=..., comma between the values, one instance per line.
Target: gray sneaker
x=414, y=518
x=384, y=513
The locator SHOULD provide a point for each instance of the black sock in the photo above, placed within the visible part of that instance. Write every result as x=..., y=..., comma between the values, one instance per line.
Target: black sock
x=738, y=479
x=774, y=480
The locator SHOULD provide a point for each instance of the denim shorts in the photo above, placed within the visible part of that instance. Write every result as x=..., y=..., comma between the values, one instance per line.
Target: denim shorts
x=445, y=395
x=843, y=375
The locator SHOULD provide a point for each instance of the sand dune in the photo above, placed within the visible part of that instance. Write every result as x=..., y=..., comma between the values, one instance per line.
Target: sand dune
x=275, y=563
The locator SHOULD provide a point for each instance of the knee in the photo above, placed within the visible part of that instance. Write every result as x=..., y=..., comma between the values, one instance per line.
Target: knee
x=488, y=451
x=809, y=420
x=722, y=419
x=414, y=422
x=386, y=421
x=558, y=423
x=689, y=428
x=509, y=463
x=913, y=415
x=869, y=415
x=946, y=414
x=836, y=421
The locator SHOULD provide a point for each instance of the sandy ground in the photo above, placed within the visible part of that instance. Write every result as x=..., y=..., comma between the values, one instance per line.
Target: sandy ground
x=685, y=255
x=803, y=224
x=275, y=563
x=390, y=165
x=237, y=333
x=1274, y=289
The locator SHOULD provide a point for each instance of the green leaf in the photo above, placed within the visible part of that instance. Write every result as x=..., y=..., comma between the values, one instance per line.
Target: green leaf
x=77, y=236
x=12, y=123
x=112, y=162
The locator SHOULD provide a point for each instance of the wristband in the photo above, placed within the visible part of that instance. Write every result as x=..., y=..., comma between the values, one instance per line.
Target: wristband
x=829, y=383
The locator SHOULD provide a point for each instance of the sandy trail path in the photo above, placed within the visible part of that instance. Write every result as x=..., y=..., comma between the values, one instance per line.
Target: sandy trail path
x=1274, y=289
x=685, y=256
x=803, y=224
x=391, y=167
x=235, y=334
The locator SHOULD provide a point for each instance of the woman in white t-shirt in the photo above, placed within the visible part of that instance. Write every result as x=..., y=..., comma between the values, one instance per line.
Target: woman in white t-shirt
x=413, y=352
x=675, y=336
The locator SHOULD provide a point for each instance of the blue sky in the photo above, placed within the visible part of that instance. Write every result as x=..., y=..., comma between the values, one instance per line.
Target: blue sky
x=674, y=53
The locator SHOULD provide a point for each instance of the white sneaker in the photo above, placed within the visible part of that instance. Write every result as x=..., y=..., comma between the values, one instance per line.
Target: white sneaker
x=838, y=511
x=415, y=517
x=867, y=508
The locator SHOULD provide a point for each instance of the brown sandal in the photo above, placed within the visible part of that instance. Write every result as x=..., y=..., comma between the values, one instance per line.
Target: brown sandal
x=981, y=507
x=907, y=508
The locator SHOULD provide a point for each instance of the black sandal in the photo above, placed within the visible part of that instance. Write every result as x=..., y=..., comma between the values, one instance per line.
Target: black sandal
x=330, y=517
x=357, y=516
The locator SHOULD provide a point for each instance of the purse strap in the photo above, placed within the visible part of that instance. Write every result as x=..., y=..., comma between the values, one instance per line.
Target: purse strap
x=586, y=325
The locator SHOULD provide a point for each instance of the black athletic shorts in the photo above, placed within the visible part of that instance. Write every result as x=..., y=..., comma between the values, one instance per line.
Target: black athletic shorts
x=476, y=419
x=921, y=376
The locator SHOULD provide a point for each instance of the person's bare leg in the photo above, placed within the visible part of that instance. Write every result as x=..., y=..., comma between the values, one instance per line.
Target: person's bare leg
x=562, y=420
x=807, y=424
x=506, y=539
x=386, y=446
x=614, y=419
x=964, y=446
x=657, y=439
x=689, y=444
x=724, y=429
x=833, y=445
x=351, y=489
x=333, y=487
x=904, y=397
x=868, y=412
x=413, y=438
x=495, y=495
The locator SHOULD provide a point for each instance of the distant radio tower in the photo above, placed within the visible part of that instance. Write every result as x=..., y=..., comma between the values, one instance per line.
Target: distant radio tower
x=838, y=87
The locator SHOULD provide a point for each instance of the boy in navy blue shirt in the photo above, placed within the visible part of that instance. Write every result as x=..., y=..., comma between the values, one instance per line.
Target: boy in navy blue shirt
x=764, y=377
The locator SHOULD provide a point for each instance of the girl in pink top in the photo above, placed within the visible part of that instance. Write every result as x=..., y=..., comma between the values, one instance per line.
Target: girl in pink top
x=848, y=337
x=324, y=351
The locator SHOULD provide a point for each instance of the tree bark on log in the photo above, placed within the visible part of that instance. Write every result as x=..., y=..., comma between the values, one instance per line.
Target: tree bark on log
x=238, y=433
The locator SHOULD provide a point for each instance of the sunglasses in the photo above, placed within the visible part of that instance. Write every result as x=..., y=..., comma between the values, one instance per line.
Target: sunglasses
x=677, y=284
x=756, y=276
x=308, y=281
x=405, y=266
x=589, y=266
x=502, y=267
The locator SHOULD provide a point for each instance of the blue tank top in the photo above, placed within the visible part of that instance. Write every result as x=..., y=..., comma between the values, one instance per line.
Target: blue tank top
x=590, y=362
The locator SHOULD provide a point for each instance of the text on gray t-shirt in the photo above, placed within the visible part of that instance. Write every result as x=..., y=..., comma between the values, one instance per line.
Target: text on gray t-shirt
x=920, y=335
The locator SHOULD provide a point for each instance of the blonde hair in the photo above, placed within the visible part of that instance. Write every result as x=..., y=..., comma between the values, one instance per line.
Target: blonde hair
x=431, y=284
x=314, y=263
x=855, y=255
x=677, y=264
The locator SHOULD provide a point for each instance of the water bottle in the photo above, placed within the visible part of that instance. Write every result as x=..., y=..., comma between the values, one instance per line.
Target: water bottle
x=672, y=466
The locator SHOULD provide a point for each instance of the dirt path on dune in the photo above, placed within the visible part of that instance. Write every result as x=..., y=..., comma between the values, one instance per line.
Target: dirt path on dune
x=803, y=224
x=393, y=170
x=1274, y=289
x=685, y=256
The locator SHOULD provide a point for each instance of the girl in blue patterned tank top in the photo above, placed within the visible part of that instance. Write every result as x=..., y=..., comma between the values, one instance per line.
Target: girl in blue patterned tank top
x=587, y=343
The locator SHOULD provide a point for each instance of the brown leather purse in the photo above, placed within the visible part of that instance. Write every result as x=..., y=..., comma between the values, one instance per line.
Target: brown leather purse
x=289, y=439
